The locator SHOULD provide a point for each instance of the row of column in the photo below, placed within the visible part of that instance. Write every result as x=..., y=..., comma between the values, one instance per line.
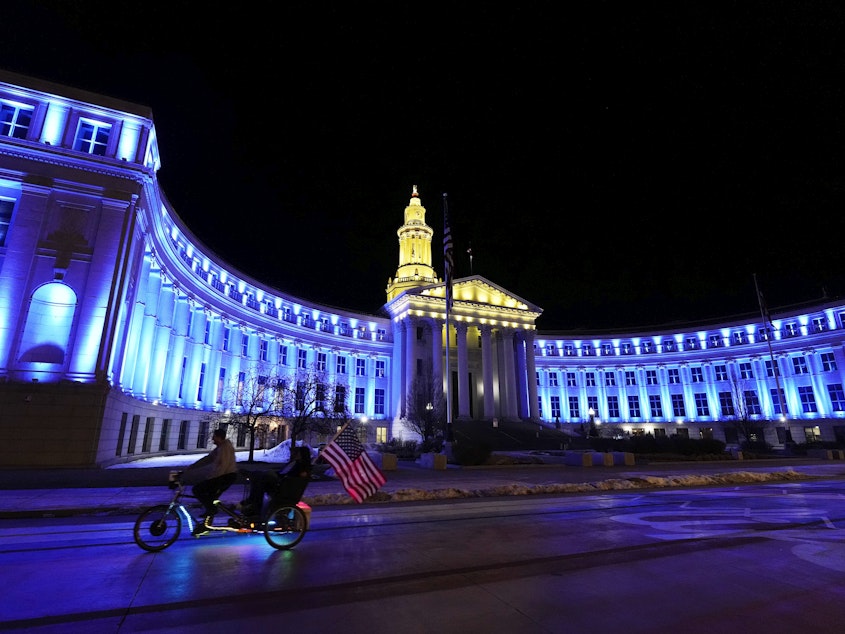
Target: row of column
x=507, y=363
x=762, y=382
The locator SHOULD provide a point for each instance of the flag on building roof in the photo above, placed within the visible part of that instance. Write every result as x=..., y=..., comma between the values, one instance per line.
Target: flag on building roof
x=448, y=253
x=357, y=472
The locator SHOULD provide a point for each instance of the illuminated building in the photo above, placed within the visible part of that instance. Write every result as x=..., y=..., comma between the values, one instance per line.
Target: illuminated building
x=119, y=329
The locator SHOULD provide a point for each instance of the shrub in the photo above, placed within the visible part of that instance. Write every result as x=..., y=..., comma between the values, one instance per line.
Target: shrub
x=471, y=454
x=404, y=449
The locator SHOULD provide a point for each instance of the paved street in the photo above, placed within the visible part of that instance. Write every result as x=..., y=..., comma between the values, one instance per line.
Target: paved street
x=767, y=558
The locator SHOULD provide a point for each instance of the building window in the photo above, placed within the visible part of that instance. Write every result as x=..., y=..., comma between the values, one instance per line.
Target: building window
x=606, y=350
x=359, y=400
x=819, y=324
x=221, y=383
x=726, y=404
x=379, y=402
x=630, y=377
x=669, y=345
x=182, y=375
x=752, y=403
x=808, y=399
x=691, y=343
x=590, y=379
x=15, y=119
x=648, y=347
x=301, y=359
x=555, y=402
x=92, y=137
x=633, y=406
x=721, y=372
x=263, y=347
x=553, y=379
x=587, y=350
x=651, y=377
x=148, y=435
x=716, y=341
x=380, y=369
x=207, y=337
x=678, y=409
x=740, y=337
x=779, y=397
x=799, y=365
x=569, y=350
x=792, y=330
x=202, y=435
x=771, y=368
x=202, y=380
x=321, y=362
x=571, y=379
x=702, y=408
x=360, y=367
x=6, y=207
x=340, y=365
x=613, y=407
x=655, y=406
x=184, y=430
x=574, y=410
x=610, y=379
x=674, y=376
x=165, y=432
x=593, y=404
x=837, y=397
x=828, y=362
x=764, y=334
x=745, y=371
x=697, y=375
x=283, y=354
x=245, y=345
x=226, y=332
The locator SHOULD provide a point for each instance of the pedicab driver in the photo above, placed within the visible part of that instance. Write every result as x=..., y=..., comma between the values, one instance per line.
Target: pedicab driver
x=224, y=470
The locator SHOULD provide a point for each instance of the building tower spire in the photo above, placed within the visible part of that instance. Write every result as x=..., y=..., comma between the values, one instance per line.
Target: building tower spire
x=414, y=251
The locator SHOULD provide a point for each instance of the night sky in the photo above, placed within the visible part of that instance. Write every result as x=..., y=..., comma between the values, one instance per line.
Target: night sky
x=618, y=168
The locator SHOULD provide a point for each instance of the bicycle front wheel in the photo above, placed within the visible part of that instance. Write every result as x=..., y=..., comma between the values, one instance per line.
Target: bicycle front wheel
x=157, y=528
x=285, y=527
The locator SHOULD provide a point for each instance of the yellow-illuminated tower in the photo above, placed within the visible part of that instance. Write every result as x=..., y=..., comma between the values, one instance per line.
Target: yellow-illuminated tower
x=414, y=251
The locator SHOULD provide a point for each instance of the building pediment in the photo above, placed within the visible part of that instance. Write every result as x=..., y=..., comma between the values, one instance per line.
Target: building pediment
x=474, y=298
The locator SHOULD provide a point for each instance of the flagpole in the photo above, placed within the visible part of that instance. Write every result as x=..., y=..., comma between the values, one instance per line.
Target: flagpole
x=447, y=255
x=766, y=322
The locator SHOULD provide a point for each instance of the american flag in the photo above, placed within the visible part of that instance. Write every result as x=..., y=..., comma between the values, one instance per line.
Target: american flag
x=448, y=253
x=357, y=472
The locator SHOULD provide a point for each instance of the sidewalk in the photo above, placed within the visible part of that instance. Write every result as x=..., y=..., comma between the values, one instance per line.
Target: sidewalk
x=69, y=492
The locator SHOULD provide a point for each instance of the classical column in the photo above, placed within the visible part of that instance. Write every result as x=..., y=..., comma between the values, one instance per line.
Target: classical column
x=531, y=370
x=437, y=353
x=173, y=376
x=487, y=370
x=145, y=341
x=158, y=353
x=507, y=376
x=463, y=370
x=410, y=360
x=520, y=375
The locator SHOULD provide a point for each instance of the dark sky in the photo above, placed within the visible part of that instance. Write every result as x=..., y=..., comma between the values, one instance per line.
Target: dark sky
x=617, y=167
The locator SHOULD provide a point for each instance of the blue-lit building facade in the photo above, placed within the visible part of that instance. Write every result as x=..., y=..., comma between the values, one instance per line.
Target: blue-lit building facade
x=120, y=330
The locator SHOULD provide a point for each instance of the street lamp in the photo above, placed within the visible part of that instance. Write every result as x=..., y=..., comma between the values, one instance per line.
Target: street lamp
x=428, y=408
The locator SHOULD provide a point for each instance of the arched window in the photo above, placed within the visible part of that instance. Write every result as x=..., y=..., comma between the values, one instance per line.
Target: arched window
x=47, y=330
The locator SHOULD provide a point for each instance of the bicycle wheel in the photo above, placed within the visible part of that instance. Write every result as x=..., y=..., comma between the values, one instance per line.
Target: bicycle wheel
x=285, y=527
x=157, y=528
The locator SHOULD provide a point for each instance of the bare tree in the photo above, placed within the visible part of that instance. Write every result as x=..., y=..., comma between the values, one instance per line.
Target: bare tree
x=252, y=401
x=310, y=403
x=744, y=403
x=425, y=407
